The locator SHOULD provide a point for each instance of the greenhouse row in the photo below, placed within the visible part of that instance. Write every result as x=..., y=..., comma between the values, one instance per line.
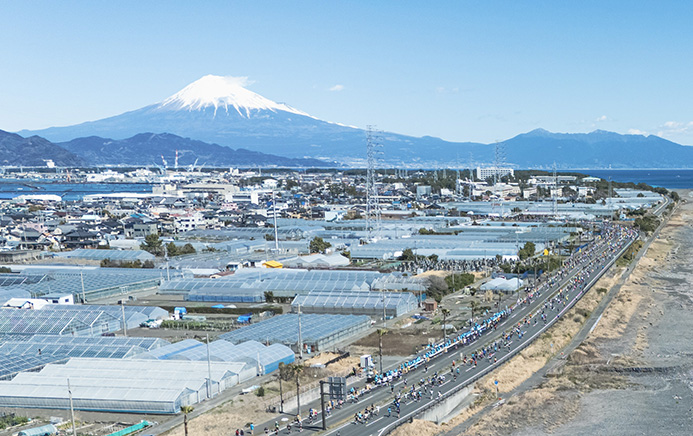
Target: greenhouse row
x=318, y=331
x=373, y=304
x=250, y=284
x=115, y=255
x=265, y=359
x=90, y=282
x=130, y=386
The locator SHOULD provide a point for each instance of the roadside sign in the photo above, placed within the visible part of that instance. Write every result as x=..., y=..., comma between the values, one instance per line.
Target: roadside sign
x=337, y=388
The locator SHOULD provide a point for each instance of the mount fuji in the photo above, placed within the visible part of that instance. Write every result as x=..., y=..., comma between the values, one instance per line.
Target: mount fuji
x=221, y=110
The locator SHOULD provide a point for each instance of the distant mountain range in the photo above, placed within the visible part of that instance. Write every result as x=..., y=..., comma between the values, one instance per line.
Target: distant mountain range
x=143, y=149
x=152, y=148
x=33, y=151
x=220, y=110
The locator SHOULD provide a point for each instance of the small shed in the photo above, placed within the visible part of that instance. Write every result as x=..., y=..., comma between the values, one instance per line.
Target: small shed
x=430, y=305
x=44, y=430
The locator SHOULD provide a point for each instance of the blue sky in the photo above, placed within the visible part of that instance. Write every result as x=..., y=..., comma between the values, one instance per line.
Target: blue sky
x=459, y=70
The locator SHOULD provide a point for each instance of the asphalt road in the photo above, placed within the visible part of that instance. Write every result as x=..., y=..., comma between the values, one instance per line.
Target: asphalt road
x=573, y=280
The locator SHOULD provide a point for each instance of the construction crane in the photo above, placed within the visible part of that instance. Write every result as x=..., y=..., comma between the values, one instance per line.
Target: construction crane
x=192, y=167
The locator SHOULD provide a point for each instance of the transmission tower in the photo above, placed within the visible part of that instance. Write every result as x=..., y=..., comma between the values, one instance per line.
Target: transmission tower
x=373, y=149
x=555, y=192
x=498, y=162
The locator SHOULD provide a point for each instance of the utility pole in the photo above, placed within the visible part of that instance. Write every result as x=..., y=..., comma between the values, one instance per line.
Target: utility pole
x=322, y=404
x=81, y=276
x=72, y=409
x=300, y=339
x=209, y=371
x=125, y=324
x=274, y=212
x=281, y=393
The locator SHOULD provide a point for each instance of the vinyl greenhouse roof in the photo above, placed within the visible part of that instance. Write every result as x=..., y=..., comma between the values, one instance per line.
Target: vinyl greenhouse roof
x=315, y=329
x=220, y=350
x=362, y=303
x=116, y=255
x=131, y=386
x=93, y=282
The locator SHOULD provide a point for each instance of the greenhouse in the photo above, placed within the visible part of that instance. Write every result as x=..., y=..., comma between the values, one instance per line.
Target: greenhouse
x=318, y=331
x=357, y=303
x=12, y=365
x=11, y=348
x=224, y=351
x=220, y=290
x=106, y=341
x=130, y=386
x=90, y=282
x=501, y=284
x=12, y=292
x=281, y=282
x=57, y=322
x=111, y=347
x=115, y=255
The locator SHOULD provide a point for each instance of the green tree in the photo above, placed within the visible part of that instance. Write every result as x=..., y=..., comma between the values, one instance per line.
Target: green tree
x=188, y=249
x=527, y=251
x=153, y=244
x=407, y=255
x=171, y=249
x=446, y=313
x=474, y=306
x=318, y=245
x=296, y=369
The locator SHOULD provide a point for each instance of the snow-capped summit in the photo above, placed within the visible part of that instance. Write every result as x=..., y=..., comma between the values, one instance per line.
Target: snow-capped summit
x=228, y=93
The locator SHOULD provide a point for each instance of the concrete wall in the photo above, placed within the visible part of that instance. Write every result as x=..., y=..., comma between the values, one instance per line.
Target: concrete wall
x=448, y=407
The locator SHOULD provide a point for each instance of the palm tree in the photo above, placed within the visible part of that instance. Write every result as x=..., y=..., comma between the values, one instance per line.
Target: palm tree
x=186, y=410
x=296, y=369
x=282, y=374
x=474, y=305
x=380, y=333
x=446, y=313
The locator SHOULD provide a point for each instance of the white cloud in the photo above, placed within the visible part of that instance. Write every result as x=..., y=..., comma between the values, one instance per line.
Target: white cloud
x=337, y=88
x=637, y=132
x=444, y=90
x=602, y=118
x=674, y=127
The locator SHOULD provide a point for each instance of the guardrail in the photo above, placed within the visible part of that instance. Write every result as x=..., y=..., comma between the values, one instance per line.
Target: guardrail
x=391, y=427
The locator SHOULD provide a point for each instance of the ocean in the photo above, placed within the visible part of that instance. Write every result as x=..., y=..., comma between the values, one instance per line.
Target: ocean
x=670, y=179
x=10, y=188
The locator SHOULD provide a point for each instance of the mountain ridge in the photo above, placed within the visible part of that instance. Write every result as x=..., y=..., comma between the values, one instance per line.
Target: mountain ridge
x=33, y=151
x=220, y=110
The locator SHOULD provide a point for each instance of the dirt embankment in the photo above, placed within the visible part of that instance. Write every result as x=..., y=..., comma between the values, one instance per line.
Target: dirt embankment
x=622, y=328
x=556, y=400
